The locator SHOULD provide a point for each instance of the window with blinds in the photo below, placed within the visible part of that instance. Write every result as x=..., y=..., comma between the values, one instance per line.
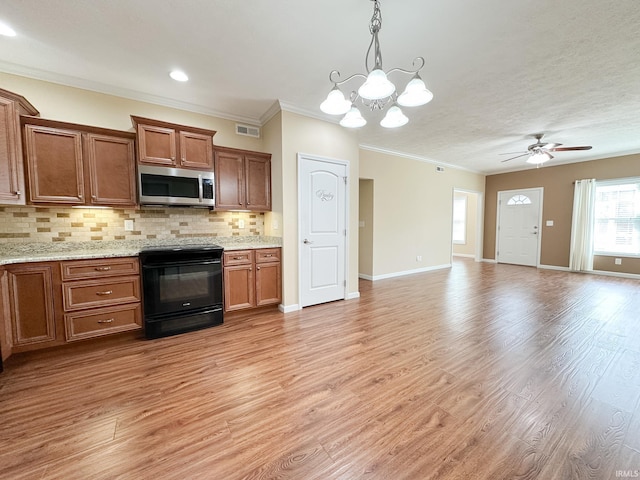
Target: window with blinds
x=617, y=217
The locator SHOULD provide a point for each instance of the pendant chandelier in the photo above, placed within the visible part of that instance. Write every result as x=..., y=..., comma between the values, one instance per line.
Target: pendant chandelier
x=377, y=92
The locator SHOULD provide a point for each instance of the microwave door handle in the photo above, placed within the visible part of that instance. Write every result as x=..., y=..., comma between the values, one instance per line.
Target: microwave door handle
x=200, y=194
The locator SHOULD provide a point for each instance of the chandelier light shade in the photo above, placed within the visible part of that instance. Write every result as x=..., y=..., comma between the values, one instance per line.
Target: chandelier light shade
x=335, y=104
x=377, y=92
x=353, y=119
x=394, y=118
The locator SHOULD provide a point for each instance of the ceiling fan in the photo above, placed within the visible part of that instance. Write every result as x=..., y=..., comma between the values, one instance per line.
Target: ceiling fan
x=540, y=152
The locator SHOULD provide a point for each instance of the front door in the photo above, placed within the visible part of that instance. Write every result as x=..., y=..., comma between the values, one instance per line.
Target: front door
x=519, y=226
x=322, y=239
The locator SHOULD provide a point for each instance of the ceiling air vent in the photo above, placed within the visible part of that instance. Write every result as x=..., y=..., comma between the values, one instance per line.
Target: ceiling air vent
x=247, y=130
x=439, y=169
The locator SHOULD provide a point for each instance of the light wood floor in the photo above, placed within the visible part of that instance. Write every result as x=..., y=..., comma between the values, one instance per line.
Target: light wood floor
x=478, y=372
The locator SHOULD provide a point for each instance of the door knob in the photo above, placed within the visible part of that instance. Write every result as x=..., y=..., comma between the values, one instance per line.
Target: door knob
x=307, y=242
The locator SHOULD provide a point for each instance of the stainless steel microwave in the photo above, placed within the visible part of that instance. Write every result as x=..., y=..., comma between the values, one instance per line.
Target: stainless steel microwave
x=175, y=187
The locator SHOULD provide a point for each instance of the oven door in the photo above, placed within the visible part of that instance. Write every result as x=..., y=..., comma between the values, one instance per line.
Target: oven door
x=174, y=287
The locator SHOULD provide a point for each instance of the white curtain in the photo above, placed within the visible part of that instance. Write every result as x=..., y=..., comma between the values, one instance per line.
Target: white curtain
x=584, y=199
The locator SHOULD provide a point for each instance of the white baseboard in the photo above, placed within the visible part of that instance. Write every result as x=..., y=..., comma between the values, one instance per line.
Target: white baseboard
x=615, y=274
x=289, y=308
x=554, y=267
x=352, y=295
x=403, y=273
x=489, y=260
x=466, y=255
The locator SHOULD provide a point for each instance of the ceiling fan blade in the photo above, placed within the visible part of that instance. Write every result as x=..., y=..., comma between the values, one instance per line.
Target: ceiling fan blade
x=513, y=158
x=551, y=146
x=567, y=149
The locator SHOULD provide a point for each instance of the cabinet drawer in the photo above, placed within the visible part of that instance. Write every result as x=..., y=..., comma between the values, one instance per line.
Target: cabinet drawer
x=98, y=293
x=102, y=321
x=238, y=257
x=99, y=268
x=265, y=255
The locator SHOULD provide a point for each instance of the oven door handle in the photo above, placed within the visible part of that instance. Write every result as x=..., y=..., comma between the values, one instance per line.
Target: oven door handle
x=180, y=263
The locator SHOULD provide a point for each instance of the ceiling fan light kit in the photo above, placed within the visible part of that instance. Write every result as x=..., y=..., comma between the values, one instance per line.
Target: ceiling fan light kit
x=377, y=91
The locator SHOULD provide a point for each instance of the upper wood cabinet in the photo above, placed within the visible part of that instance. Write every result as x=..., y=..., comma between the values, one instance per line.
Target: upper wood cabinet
x=78, y=165
x=243, y=180
x=171, y=145
x=11, y=166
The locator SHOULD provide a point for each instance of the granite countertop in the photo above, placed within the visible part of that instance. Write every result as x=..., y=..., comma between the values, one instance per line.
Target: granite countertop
x=43, y=252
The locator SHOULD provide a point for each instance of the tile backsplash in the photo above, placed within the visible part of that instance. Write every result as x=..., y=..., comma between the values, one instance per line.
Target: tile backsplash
x=60, y=224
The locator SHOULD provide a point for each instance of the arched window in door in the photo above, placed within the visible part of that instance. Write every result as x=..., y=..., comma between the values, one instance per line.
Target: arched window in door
x=519, y=200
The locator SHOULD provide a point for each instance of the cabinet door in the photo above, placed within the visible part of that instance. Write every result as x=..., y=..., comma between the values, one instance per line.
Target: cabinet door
x=11, y=171
x=258, y=183
x=196, y=150
x=54, y=165
x=111, y=170
x=157, y=145
x=268, y=283
x=229, y=178
x=31, y=304
x=239, y=287
x=5, y=318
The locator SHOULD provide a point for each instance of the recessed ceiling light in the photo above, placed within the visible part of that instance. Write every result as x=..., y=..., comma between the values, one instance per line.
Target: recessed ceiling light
x=6, y=30
x=179, y=76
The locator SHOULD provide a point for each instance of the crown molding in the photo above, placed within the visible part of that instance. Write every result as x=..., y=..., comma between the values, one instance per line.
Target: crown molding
x=70, y=81
x=418, y=158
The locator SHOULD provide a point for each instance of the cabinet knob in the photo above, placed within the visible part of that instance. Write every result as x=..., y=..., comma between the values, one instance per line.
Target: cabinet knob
x=102, y=269
x=108, y=320
x=106, y=292
x=18, y=193
x=257, y=268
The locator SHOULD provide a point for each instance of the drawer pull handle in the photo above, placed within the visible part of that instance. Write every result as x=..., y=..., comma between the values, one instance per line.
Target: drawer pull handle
x=102, y=269
x=108, y=320
x=237, y=258
x=270, y=255
x=106, y=292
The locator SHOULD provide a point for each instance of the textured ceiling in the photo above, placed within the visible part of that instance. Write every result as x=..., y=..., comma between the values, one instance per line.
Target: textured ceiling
x=500, y=70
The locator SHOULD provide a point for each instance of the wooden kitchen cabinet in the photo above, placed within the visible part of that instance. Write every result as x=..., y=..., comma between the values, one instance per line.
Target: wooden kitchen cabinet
x=12, y=187
x=32, y=305
x=252, y=278
x=100, y=297
x=268, y=277
x=171, y=145
x=243, y=180
x=78, y=165
x=5, y=318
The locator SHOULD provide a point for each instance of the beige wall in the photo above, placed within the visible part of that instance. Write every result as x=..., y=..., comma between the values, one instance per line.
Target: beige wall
x=69, y=104
x=557, y=182
x=365, y=230
x=314, y=137
x=412, y=211
x=469, y=247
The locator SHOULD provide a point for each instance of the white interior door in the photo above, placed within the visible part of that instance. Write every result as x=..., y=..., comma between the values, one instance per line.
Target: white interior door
x=519, y=218
x=322, y=212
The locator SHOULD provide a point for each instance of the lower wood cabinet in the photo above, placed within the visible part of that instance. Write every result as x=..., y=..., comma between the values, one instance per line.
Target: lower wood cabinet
x=100, y=297
x=252, y=278
x=45, y=304
x=33, y=301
